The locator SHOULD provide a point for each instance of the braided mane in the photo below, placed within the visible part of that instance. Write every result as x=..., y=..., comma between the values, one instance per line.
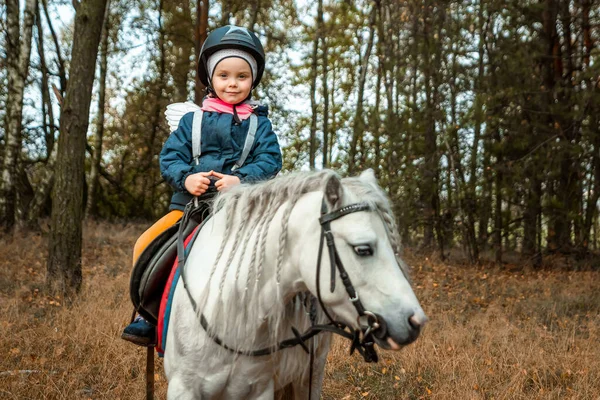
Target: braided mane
x=257, y=204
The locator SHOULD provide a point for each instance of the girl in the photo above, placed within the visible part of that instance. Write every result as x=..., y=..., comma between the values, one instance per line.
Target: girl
x=230, y=65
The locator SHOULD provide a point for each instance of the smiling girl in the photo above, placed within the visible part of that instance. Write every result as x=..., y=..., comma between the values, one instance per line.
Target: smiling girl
x=230, y=65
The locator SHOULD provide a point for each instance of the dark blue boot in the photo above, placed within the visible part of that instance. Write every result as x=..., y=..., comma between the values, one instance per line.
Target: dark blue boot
x=140, y=332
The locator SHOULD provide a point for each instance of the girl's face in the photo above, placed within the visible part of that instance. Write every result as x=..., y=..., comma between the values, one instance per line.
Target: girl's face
x=232, y=80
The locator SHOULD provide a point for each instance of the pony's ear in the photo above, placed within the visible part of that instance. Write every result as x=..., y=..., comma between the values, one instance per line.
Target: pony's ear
x=333, y=192
x=368, y=176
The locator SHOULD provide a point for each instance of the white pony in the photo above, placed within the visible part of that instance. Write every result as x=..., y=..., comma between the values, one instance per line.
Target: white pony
x=255, y=271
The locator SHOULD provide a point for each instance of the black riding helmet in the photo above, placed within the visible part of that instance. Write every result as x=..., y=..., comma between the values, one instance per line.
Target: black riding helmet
x=231, y=37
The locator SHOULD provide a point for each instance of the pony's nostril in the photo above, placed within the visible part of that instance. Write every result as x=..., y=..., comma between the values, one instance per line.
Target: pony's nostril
x=417, y=320
x=382, y=331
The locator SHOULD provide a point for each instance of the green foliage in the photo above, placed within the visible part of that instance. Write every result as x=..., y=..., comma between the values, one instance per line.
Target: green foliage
x=470, y=109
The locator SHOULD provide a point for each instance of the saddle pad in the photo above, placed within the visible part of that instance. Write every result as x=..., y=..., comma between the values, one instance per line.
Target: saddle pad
x=164, y=313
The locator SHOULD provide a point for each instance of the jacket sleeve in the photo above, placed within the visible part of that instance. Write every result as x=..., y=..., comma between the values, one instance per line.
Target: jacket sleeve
x=264, y=161
x=176, y=154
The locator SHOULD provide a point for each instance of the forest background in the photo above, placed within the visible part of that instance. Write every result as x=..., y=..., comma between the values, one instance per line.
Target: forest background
x=480, y=118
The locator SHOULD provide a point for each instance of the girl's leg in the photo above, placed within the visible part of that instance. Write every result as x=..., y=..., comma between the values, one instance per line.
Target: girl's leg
x=141, y=331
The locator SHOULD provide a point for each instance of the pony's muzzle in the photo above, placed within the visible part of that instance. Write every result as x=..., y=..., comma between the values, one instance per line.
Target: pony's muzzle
x=412, y=327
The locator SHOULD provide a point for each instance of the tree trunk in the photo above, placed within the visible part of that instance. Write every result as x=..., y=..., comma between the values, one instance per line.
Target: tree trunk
x=359, y=122
x=533, y=208
x=325, y=105
x=62, y=74
x=334, y=126
x=18, y=52
x=64, y=257
x=569, y=191
x=313, y=88
x=43, y=187
x=201, y=32
x=97, y=155
x=47, y=110
x=178, y=20
x=148, y=165
x=550, y=38
x=429, y=188
x=226, y=11
x=591, y=208
x=376, y=120
x=471, y=204
x=498, y=187
x=485, y=199
x=586, y=26
x=256, y=7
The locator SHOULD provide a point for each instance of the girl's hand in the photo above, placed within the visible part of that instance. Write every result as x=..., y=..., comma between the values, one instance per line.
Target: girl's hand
x=197, y=184
x=225, y=181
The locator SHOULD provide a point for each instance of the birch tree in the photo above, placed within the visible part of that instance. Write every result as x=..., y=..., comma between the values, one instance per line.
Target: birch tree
x=18, y=52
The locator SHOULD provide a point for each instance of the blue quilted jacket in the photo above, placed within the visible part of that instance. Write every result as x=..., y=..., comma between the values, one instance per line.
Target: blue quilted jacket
x=222, y=145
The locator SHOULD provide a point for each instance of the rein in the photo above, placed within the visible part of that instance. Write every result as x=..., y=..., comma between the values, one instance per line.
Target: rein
x=369, y=322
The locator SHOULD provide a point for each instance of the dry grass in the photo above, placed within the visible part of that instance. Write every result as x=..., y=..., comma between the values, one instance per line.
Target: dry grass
x=493, y=334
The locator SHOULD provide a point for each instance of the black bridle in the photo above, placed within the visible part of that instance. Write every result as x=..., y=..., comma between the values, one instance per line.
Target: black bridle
x=370, y=323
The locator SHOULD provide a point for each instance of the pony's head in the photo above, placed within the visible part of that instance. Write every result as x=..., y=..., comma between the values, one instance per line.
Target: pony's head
x=365, y=238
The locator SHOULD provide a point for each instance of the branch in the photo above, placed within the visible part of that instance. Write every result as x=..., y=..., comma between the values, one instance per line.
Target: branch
x=109, y=178
x=57, y=94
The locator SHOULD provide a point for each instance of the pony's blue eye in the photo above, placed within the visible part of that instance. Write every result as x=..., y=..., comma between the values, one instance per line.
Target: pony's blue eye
x=363, y=250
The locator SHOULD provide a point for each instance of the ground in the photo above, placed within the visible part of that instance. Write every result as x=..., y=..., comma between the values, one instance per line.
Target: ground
x=507, y=332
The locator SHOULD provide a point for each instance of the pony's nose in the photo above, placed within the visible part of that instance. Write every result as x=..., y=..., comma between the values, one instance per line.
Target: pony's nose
x=410, y=330
x=417, y=321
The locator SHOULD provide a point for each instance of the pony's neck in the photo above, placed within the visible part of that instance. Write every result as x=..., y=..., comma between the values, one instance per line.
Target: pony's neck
x=281, y=283
x=278, y=287
x=254, y=309
x=301, y=243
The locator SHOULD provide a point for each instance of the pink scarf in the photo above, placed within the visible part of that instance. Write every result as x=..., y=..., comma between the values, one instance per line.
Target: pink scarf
x=244, y=110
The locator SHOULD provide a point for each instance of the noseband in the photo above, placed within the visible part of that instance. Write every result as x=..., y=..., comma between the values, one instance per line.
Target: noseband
x=370, y=324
